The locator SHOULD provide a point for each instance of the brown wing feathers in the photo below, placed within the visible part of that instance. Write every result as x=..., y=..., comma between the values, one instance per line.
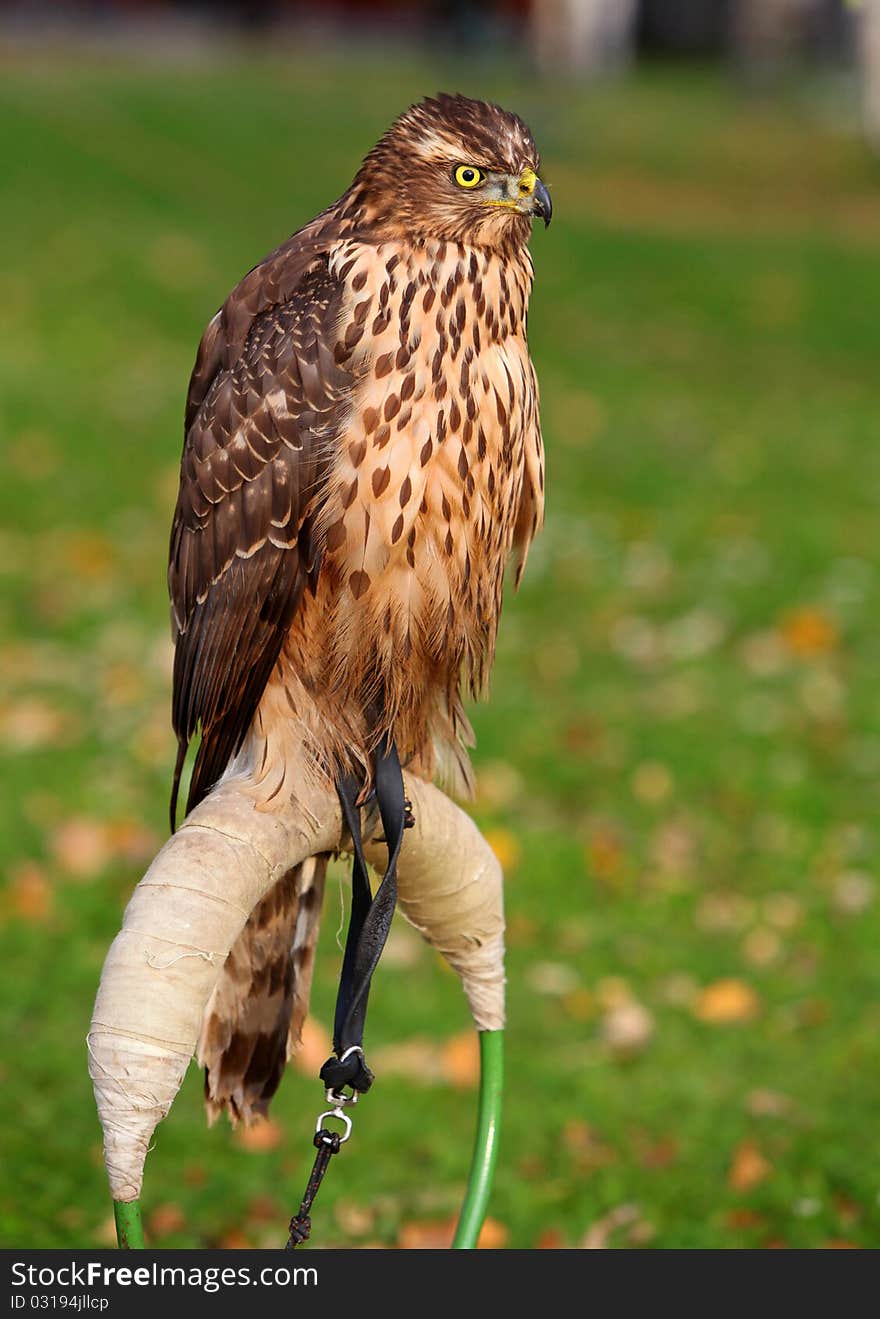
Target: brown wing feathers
x=258, y=445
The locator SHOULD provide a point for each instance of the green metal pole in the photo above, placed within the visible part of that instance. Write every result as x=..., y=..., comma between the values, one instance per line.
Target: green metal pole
x=485, y=1154
x=129, y=1230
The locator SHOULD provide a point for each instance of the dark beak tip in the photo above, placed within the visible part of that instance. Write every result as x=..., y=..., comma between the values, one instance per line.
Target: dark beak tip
x=543, y=203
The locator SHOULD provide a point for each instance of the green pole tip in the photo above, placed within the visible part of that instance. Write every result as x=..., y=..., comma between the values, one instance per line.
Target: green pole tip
x=485, y=1155
x=129, y=1230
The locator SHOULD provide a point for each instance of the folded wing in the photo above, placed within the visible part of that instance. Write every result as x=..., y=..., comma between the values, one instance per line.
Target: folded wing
x=265, y=404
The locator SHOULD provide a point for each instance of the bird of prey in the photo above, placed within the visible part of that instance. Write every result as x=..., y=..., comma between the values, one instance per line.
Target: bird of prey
x=362, y=456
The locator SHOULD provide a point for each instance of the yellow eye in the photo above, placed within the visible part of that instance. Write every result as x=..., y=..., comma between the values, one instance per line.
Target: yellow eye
x=468, y=176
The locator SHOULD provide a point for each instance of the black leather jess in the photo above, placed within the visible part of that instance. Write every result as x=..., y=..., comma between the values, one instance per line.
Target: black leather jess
x=368, y=928
x=370, y=919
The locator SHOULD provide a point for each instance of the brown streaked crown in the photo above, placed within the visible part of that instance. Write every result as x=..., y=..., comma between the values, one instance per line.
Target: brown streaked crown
x=495, y=136
x=405, y=185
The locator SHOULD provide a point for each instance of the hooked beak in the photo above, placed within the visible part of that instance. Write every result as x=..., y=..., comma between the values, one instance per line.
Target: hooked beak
x=541, y=203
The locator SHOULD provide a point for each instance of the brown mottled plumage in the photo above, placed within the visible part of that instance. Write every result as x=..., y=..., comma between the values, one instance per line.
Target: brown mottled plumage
x=362, y=454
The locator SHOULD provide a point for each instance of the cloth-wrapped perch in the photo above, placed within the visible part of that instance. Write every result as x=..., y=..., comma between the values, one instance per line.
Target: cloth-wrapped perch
x=192, y=904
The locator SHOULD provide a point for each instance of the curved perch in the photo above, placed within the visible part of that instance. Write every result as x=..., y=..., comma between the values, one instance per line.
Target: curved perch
x=191, y=906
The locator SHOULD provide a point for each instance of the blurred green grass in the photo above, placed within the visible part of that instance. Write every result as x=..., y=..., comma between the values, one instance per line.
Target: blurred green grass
x=681, y=756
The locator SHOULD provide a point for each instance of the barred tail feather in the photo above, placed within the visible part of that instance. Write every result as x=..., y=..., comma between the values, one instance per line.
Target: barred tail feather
x=254, y=1018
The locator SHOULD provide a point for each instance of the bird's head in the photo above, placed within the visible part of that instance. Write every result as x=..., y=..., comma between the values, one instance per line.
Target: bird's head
x=454, y=169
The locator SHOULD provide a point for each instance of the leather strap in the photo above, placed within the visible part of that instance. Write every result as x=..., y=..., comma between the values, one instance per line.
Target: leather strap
x=370, y=919
x=327, y=1143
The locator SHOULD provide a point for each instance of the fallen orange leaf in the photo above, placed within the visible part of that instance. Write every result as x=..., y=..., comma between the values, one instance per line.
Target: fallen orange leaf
x=432, y=1235
x=726, y=1001
x=234, y=1239
x=31, y=893
x=578, y=1135
x=263, y=1209
x=314, y=1049
x=748, y=1168
x=81, y=846
x=461, y=1059
x=165, y=1219
x=808, y=631
x=661, y=1153
x=737, y=1219
x=604, y=855
x=847, y=1210
x=131, y=841
x=506, y=847
x=550, y=1239
x=263, y=1135
x=493, y=1235
x=437, y=1235
x=586, y=1147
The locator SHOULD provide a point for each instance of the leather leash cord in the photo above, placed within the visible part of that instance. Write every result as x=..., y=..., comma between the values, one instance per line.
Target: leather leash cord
x=368, y=928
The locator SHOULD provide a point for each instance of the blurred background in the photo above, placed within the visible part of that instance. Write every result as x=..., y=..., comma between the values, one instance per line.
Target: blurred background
x=680, y=761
